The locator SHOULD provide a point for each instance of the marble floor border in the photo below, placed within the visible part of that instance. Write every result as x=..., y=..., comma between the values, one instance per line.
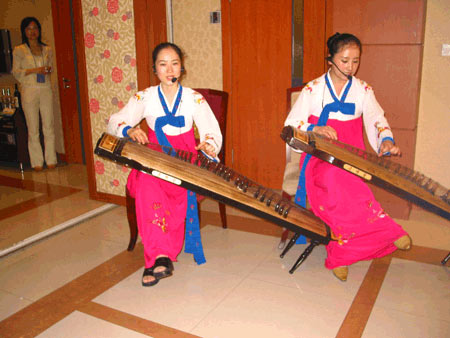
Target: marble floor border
x=78, y=294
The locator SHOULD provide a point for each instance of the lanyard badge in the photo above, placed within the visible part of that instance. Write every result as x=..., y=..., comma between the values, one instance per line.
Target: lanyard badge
x=40, y=78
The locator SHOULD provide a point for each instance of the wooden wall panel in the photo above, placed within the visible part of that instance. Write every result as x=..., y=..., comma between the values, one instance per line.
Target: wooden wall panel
x=394, y=71
x=259, y=72
x=314, y=39
x=150, y=29
x=381, y=21
x=392, y=36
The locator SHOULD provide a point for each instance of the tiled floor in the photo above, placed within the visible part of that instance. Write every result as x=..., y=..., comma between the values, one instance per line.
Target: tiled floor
x=82, y=282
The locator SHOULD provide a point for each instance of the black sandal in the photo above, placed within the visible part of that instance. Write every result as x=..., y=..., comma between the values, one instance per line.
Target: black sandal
x=149, y=272
x=165, y=262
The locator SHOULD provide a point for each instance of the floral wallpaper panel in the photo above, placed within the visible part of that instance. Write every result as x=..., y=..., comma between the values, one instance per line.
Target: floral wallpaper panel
x=111, y=74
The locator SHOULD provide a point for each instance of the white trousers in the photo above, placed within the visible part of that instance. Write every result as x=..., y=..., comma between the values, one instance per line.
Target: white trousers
x=35, y=100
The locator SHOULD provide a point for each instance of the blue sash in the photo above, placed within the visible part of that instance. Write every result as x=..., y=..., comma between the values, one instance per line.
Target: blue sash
x=193, y=242
x=336, y=106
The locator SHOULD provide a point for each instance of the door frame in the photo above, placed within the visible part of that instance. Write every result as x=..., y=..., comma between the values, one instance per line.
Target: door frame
x=73, y=149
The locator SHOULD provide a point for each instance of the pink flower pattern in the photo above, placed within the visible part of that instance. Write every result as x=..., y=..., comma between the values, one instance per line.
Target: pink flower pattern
x=117, y=75
x=89, y=40
x=94, y=105
x=113, y=6
x=99, y=167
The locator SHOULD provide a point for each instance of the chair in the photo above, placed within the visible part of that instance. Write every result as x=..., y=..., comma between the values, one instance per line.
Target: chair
x=291, y=171
x=218, y=101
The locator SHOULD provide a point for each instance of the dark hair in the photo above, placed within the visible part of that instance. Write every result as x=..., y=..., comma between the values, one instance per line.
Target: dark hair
x=24, y=24
x=337, y=41
x=165, y=45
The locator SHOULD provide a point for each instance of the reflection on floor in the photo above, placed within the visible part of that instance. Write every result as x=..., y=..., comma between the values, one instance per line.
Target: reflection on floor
x=82, y=282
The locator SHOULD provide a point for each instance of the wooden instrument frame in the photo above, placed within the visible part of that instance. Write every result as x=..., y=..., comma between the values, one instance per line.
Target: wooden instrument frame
x=386, y=174
x=201, y=175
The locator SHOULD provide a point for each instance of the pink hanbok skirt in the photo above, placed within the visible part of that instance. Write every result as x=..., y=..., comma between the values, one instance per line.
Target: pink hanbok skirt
x=161, y=206
x=345, y=202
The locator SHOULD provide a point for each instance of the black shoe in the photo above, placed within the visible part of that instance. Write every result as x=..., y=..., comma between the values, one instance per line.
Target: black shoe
x=149, y=272
x=165, y=262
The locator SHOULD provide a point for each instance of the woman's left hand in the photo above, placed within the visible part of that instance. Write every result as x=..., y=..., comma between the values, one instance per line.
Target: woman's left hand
x=389, y=147
x=207, y=148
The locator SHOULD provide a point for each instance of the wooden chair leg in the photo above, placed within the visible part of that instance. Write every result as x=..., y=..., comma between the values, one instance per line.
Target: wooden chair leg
x=132, y=221
x=223, y=215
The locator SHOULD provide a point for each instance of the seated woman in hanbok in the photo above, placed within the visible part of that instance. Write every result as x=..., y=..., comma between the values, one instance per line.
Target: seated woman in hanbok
x=337, y=105
x=170, y=111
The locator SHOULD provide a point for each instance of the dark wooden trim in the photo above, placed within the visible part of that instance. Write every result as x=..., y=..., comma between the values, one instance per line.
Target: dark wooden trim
x=70, y=121
x=84, y=96
x=226, y=71
x=328, y=27
x=142, y=34
x=314, y=40
x=150, y=26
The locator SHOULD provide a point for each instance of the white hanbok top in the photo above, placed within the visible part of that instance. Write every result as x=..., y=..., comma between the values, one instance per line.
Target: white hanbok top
x=315, y=95
x=146, y=104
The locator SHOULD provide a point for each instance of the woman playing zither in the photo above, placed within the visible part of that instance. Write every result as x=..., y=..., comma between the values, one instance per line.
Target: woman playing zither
x=337, y=105
x=161, y=207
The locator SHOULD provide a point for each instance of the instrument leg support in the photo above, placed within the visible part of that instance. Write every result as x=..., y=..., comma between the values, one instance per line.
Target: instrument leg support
x=290, y=244
x=304, y=255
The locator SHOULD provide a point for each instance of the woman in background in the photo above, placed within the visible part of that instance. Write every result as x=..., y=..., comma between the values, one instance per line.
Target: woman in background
x=170, y=111
x=32, y=64
x=337, y=105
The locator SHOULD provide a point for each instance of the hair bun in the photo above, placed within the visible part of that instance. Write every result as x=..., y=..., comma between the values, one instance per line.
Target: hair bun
x=331, y=39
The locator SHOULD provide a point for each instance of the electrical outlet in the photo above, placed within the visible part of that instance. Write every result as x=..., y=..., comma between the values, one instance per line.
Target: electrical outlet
x=445, y=49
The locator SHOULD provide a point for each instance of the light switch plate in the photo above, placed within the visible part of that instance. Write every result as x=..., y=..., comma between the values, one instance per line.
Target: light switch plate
x=214, y=17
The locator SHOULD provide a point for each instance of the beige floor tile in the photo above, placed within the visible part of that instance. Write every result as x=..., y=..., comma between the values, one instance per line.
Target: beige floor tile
x=260, y=309
x=311, y=276
x=59, y=259
x=232, y=251
x=17, y=228
x=10, y=304
x=12, y=196
x=416, y=288
x=180, y=301
x=72, y=175
x=427, y=229
x=110, y=226
x=78, y=324
x=391, y=323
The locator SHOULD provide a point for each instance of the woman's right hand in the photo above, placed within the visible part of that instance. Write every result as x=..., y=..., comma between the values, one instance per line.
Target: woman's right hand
x=138, y=135
x=326, y=131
